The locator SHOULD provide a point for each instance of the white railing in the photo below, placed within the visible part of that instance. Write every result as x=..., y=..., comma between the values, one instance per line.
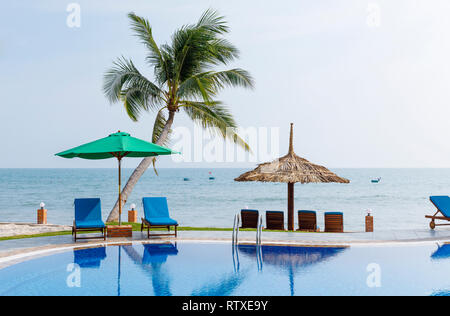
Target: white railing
x=235, y=254
x=237, y=222
x=235, y=242
x=259, y=257
x=259, y=230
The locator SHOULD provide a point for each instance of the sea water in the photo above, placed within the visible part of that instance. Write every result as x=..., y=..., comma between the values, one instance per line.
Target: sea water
x=399, y=201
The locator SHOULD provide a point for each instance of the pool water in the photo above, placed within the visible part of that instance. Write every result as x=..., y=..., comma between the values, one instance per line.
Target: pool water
x=221, y=269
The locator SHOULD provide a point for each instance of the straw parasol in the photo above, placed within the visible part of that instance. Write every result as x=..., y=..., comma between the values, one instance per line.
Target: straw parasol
x=291, y=169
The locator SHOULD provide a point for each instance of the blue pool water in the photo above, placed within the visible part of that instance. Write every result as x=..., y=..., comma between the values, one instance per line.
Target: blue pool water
x=214, y=269
x=399, y=201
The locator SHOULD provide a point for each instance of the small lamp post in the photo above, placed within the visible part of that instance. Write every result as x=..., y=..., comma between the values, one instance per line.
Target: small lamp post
x=42, y=214
x=132, y=214
x=369, y=222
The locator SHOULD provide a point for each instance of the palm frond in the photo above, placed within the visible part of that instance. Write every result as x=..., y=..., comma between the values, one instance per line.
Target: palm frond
x=134, y=103
x=144, y=32
x=158, y=127
x=231, y=78
x=216, y=118
x=166, y=75
x=221, y=51
x=197, y=48
x=206, y=85
x=123, y=82
x=213, y=22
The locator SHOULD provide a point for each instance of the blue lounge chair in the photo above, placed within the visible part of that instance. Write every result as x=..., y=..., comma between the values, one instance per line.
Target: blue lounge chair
x=156, y=214
x=88, y=217
x=90, y=257
x=158, y=253
x=443, y=252
x=442, y=203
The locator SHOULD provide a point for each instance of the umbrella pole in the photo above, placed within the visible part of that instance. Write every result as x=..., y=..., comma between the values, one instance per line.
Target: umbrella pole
x=291, y=206
x=120, y=192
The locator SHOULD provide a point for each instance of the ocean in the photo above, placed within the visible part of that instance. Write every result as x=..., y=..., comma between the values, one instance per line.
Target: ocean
x=399, y=201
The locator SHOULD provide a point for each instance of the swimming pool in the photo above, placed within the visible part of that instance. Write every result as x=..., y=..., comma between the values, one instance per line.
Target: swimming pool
x=188, y=268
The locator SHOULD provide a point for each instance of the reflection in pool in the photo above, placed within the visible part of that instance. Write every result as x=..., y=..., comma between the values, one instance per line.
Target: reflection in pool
x=89, y=257
x=292, y=259
x=443, y=252
x=220, y=269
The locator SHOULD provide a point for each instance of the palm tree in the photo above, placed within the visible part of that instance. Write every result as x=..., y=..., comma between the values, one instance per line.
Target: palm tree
x=184, y=79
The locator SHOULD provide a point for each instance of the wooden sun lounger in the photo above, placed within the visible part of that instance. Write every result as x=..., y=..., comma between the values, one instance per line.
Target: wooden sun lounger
x=334, y=222
x=100, y=230
x=307, y=221
x=275, y=220
x=147, y=225
x=442, y=203
x=249, y=218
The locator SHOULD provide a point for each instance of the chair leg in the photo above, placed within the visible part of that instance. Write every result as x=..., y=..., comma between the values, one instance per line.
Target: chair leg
x=432, y=224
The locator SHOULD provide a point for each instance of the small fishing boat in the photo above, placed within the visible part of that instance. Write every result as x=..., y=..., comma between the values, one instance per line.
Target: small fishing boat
x=212, y=178
x=186, y=179
x=376, y=180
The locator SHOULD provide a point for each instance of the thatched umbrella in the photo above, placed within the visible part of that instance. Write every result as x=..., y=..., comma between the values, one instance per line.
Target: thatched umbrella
x=291, y=169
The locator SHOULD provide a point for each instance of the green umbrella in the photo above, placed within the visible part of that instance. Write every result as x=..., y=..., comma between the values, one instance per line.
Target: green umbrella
x=118, y=145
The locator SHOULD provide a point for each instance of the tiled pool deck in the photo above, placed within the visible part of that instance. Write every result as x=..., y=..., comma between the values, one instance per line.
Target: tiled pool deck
x=13, y=251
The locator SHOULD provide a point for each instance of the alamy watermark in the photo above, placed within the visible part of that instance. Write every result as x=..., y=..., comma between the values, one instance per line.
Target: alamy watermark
x=74, y=277
x=74, y=17
x=198, y=145
x=373, y=15
x=374, y=278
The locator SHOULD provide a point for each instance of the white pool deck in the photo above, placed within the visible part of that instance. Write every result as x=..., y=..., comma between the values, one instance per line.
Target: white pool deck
x=14, y=251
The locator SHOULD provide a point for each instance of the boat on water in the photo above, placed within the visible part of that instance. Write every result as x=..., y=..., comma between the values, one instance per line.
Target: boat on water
x=186, y=179
x=376, y=180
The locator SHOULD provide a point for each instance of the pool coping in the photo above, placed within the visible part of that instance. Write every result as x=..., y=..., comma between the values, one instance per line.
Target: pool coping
x=15, y=256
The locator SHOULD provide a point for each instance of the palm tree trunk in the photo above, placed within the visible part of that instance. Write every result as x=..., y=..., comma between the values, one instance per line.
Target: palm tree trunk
x=139, y=171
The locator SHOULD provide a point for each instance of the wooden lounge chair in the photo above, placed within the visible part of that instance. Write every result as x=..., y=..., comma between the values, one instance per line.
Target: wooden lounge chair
x=334, y=222
x=156, y=215
x=307, y=221
x=249, y=218
x=88, y=218
x=275, y=220
x=442, y=204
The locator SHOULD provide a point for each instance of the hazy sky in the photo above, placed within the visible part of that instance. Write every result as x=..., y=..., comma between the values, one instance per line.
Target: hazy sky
x=361, y=93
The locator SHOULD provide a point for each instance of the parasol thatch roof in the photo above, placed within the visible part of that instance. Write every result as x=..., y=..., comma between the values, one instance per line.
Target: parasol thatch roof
x=291, y=169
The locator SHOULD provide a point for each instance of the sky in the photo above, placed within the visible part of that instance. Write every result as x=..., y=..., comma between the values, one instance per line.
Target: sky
x=366, y=83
